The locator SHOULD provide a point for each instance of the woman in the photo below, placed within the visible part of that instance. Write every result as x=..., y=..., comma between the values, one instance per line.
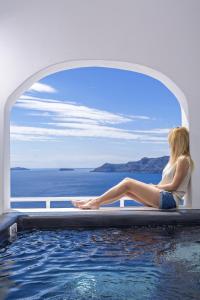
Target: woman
x=170, y=190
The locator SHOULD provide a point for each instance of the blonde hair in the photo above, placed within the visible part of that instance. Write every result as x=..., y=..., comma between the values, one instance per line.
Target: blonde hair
x=178, y=139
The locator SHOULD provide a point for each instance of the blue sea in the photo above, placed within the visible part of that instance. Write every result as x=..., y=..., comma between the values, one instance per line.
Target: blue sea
x=79, y=182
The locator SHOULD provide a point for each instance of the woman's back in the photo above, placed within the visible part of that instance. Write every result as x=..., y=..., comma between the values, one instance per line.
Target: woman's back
x=167, y=177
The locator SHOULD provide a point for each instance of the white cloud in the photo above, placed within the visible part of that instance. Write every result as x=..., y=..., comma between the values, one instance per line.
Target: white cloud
x=42, y=88
x=77, y=130
x=69, y=119
x=28, y=97
x=155, y=131
x=74, y=120
x=140, y=117
x=40, y=114
x=65, y=109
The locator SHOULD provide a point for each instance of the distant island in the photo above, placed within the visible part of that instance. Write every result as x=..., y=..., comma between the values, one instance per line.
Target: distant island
x=66, y=169
x=19, y=169
x=144, y=165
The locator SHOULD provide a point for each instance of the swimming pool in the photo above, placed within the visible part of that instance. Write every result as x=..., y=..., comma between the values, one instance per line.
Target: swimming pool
x=111, y=263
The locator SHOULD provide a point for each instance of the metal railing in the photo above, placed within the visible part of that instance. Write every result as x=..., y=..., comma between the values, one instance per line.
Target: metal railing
x=47, y=200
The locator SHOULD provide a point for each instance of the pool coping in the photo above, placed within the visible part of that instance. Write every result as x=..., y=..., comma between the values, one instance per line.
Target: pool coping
x=76, y=218
x=114, y=218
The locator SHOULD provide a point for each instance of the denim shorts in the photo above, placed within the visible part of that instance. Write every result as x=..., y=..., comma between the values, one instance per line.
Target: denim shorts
x=167, y=200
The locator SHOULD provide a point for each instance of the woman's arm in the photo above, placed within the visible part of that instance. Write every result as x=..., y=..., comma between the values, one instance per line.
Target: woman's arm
x=181, y=170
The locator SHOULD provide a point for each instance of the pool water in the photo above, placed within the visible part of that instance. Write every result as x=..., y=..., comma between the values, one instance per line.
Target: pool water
x=134, y=263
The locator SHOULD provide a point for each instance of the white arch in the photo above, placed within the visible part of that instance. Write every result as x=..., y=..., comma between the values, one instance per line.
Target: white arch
x=66, y=65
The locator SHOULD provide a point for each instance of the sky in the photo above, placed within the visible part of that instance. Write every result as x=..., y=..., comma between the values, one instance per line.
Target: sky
x=87, y=116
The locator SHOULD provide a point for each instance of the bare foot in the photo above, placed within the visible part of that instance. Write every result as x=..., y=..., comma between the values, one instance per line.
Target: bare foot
x=77, y=203
x=93, y=204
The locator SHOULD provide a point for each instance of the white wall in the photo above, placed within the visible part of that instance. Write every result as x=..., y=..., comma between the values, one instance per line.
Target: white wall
x=37, y=36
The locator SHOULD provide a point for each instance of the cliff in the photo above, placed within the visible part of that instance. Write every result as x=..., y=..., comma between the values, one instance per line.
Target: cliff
x=144, y=165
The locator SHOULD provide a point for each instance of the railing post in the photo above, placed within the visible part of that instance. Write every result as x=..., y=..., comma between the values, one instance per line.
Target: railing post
x=121, y=202
x=48, y=204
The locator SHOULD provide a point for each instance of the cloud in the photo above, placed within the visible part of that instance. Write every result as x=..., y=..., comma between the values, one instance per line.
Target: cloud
x=155, y=131
x=61, y=110
x=40, y=114
x=28, y=133
x=140, y=117
x=42, y=88
x=69, y=119
x=30, y=97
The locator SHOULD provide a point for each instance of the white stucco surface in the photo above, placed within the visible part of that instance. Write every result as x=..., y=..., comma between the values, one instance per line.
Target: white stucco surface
x=157, y=37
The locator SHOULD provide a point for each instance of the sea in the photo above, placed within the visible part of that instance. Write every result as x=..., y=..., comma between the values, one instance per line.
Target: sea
x=52, y=183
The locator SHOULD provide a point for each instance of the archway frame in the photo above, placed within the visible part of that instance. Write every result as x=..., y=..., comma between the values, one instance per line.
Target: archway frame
x=74, y=64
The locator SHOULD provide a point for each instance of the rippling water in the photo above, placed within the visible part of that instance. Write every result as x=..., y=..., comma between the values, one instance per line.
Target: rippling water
x=136, y=263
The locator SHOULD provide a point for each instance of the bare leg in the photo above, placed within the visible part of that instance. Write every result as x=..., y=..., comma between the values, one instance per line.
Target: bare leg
x=129, y=194
x=138, y=199
x=146, y=193
x=113, y=194
x=79, y=203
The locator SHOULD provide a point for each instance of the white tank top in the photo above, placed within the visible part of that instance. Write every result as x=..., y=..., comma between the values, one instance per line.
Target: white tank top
x=167, y=177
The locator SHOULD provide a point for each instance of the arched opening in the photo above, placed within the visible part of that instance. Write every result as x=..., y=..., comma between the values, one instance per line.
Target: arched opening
x=71, y=65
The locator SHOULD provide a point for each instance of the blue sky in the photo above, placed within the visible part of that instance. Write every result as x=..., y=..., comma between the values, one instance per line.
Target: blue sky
x=85, y=117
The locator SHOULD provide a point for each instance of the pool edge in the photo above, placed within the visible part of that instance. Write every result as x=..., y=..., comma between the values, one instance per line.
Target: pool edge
x=98, y=218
